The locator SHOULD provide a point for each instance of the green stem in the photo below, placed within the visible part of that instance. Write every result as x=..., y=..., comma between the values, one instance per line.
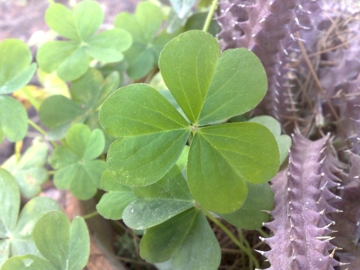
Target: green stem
x=93, y=214
x=32, y=100
x=18, y=146
x=39, y=129
x=231, y=236
x=263, y=234
x=35, y=126
x=210, y=15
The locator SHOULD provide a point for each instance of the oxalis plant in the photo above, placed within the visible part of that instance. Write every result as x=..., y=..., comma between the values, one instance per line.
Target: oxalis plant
x=178, y=133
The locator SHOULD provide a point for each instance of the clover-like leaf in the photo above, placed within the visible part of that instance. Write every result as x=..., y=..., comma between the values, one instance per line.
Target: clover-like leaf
x=251, y=215
x=15, y=230
x=13, y=119
x=152, y=134
x=113, y=203
x=83, y=106
x=182, y=7
x=143, y=26
x=15, y=68
x=158, y=202
x=223, y=158
x=186, y=238
x=283, y=141
x=208, y=87
x=71, y=58
x=76, y=168
x=29, y=171
x=15, y=72
x=62, y=245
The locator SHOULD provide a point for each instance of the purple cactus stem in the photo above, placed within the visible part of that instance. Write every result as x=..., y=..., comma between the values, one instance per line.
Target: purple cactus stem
x=301, y=227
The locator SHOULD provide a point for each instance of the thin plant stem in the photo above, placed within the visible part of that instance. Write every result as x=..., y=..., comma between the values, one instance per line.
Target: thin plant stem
x=18, y=146
x=40, y=130
x=210, y=15
x=35, y=126
x=93, y=214
x=32, y=100
x=231, y=236
x=263, y=234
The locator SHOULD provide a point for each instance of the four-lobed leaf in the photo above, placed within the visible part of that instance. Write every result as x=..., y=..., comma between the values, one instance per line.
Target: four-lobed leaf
x=61, y=244
x=71, y=58
x=29, y=171
x=77, y=168
x=209, y=88
x=15, y=229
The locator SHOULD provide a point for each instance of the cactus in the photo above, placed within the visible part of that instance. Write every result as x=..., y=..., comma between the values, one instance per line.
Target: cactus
x=311, y=53
x=302, y=195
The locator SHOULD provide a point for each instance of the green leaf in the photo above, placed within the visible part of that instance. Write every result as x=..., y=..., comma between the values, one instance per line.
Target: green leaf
x=108, y=183
x=207, y=87
x=10, y=200
x=284, y=144
x=65, y=246
x=50, y=116
x=186, y=238
x=81, y=108
x=29, y=171
x=71, y=58
x=109, y=45
x=15, y=68
x=174, y=23
x=92, y=81
x=88, y=16
x=153, y=134
x=15, y=232
x=27, y=262
x=61, y=20
x=112, y=204
x=67, y=58
x=13, y=119
x=143, y=26
x=182, y=7
x=283, y=141
x=111, y=83
x=188, y=72
x=146, y=213
x=77, y=170
x=158, y=202
x=23, y=243
x=251, y=216
x=223, y=158
x=78, y=25
x=197, y=21
x=183, y=159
